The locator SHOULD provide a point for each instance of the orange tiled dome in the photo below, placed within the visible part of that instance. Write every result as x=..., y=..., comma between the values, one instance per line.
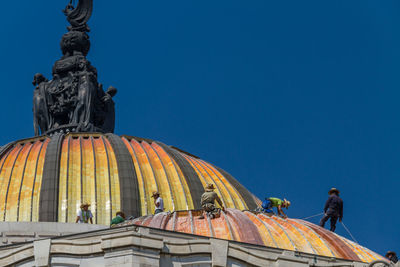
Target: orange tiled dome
x=260, y=229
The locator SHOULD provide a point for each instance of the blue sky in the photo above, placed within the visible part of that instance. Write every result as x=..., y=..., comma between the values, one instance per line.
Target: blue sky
x=291, y=97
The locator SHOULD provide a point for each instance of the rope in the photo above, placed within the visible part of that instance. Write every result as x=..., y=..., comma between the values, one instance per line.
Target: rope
x=348, y=231
x=306, y=218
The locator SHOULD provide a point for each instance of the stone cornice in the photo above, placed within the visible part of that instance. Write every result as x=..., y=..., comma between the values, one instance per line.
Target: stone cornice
x=154, y=247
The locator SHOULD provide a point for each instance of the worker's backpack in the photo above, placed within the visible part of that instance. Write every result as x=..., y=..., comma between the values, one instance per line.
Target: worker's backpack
x=266, y=204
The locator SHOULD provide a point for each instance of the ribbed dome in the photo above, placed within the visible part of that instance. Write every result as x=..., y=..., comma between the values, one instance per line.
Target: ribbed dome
x=260, y=229
x=47, y=178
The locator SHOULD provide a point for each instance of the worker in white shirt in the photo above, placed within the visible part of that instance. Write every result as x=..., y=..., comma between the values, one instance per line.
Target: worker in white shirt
x=158, y=203
x=84, y=214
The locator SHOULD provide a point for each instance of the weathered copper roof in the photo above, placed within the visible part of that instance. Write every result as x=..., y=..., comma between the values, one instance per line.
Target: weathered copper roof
x=47, y=178
x=260, y=229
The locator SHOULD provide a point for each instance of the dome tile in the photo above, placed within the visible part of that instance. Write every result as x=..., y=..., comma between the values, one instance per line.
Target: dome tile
x=47, y=178
x=319, y=245
x=278, y=232
x=146, y=178
x=20, y=171
x=298, y=238
x=268, y=237
x=259, y=229
x=88, y=173
x=336, y=243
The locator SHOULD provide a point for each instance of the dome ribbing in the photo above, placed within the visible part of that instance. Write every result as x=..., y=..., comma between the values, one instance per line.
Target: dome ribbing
x=47, y=178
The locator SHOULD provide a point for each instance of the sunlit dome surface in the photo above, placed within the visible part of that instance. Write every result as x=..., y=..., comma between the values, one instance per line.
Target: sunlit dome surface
x=260, y=229
x=52, y=176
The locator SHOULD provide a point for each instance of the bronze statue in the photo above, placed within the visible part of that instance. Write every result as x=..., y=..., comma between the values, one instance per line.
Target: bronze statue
x=40, y=112
x=73, y=101
x=79, y=16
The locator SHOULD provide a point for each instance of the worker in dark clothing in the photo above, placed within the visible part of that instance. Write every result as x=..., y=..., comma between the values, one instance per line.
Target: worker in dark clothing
x=392, y=256
x=333, y=209
x=208, y=202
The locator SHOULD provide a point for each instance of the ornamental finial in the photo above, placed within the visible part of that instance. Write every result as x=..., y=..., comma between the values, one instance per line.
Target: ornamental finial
x=79, y=16
x=74, y=100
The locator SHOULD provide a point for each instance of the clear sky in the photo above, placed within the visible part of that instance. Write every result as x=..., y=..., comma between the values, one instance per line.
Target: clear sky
x=291, y=97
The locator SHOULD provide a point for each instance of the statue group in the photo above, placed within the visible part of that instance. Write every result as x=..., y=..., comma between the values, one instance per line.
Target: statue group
x=73, y=101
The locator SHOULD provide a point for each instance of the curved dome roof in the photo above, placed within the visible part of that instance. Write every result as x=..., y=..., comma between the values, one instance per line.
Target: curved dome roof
x=47, y=178
x=260, y=229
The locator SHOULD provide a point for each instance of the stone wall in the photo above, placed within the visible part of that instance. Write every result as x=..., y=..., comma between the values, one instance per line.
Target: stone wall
x=18, y=232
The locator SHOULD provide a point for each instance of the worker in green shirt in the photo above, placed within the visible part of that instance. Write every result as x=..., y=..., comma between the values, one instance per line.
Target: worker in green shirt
x=271, y=202
x=120, y=218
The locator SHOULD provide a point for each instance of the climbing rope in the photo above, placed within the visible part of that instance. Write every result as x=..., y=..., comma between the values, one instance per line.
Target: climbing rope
x=306, y=218
x=348, y=231
x=344, y=226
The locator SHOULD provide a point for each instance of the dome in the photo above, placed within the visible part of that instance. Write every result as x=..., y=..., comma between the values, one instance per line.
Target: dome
x=260, y=229
x=47, y=178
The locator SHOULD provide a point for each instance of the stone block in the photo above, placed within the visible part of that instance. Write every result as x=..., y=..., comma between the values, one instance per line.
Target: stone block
x=19, y=254
x=200, y=247
x=76, y=247
x=41, y=250
x=16, y=240
x=20, y=234
x=59, y=260
x=288, y=263
x=66, y=233
x=358, y=264
x=219, y=251
x=48, y=234
x=289, y=259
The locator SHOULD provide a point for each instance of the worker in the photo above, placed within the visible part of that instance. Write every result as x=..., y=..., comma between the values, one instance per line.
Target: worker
x=271, y=202
x=392, y=256
x=333, y=209
x=208, y=202
x=119, y=218
x=84, y=215
x=158, y=203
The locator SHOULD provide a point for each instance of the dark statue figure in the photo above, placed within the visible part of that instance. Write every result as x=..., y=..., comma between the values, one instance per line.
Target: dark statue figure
x=40, y=113
x=73, y=101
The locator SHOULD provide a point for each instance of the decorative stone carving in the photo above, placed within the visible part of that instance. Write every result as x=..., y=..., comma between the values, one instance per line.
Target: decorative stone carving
x=73, y=101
